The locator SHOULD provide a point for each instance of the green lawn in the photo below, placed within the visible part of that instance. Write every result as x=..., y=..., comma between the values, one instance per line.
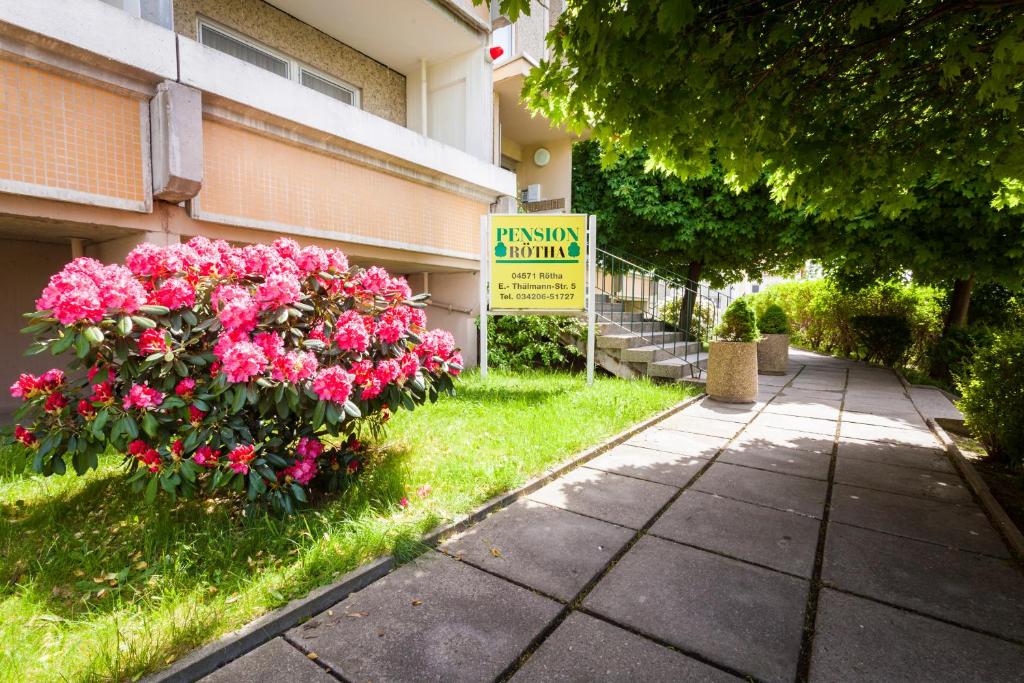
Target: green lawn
x=95, y=585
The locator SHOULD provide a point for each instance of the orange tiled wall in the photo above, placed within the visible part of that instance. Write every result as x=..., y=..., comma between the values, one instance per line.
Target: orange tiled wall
x=252, y=177
x=64, y=134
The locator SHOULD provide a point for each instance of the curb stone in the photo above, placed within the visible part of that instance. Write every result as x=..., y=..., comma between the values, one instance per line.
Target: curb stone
x=1009, y=531
x=208, y=658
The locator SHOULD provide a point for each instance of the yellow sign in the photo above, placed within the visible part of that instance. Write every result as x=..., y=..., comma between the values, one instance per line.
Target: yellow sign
x=538, y=262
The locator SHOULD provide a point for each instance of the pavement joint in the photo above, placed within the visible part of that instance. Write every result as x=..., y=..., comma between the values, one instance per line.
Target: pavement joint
x=811, y=610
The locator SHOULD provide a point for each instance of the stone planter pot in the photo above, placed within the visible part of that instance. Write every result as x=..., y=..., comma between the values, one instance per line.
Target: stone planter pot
x=732, y=372
x=773, y=354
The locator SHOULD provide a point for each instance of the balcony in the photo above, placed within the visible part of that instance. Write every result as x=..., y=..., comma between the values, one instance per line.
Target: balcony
x=276, y=155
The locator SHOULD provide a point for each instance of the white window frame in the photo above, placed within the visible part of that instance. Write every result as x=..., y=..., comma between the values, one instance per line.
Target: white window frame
x=511, y=41
x=295, y=67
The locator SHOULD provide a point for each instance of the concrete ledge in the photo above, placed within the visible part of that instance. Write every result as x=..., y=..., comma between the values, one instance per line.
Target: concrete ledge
x=235, y=81
x=211, y=657
x=118, y=39
x=1011, y=534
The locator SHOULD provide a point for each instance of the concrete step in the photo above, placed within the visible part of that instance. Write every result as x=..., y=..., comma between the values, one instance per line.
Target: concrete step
x=630, y=341
x=641, y=327
x=653, y=352
x=673, y=368
x=618, y=316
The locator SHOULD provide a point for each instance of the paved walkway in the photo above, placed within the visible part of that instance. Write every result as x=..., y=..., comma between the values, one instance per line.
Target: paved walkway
x=820, y=535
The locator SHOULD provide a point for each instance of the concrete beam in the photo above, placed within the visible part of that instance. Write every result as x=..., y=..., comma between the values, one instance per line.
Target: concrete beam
x=176, y=124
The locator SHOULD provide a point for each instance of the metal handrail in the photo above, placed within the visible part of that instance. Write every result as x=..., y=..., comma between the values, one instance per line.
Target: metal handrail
x=635, y=298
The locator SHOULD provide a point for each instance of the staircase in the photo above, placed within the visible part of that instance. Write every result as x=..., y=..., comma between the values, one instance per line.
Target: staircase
x=637, y=336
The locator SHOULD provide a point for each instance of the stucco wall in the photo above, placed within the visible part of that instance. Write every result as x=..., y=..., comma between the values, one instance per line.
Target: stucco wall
x=25, y=268
x=383, y=90
x=556, y=178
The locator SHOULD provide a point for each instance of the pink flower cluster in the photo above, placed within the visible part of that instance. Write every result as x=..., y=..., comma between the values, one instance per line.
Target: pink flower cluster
x=206, y=456
x=143, y=397
x=240, y=457
x=438, y=347
x=29, y=386
x=146, y=454
x=304, y=468
x=86, y=290
x=152, y=341
x=333, y=384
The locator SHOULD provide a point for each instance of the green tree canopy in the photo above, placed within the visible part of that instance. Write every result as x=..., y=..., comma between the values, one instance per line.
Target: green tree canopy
x=845, y=105
x=699, y=228
x=952, y=236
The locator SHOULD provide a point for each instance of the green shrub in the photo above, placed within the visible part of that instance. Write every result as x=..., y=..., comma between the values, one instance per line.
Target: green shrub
x=701, y=322
x=820, y=312
x=951, y=355
x=773, y=320
x=885, y=338
x=739, y=323
x=519, y=342
x=993, y=397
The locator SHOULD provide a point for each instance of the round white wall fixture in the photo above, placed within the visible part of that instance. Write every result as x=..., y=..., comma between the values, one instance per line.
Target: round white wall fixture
x=541, y=157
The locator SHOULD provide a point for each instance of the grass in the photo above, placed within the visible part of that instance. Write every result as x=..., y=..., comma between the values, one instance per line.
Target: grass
x=95, y=585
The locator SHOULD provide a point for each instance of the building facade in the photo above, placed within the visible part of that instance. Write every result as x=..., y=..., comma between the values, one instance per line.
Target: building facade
x=381, y=128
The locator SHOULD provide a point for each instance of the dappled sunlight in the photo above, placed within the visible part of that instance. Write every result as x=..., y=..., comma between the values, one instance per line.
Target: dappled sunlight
x=114, y=588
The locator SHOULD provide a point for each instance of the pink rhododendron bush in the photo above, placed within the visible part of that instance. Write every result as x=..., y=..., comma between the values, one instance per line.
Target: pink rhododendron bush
x=252, y=369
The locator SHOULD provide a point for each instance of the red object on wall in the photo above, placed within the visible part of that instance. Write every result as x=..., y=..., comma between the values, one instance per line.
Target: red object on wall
x=497, y=51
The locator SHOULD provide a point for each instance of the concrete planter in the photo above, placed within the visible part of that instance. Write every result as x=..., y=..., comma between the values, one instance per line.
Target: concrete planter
x=773, y=354
x=732, y=372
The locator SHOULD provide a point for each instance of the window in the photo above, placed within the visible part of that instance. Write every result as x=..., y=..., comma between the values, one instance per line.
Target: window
x=322, y=85
x=505, y=38
x=248, y=50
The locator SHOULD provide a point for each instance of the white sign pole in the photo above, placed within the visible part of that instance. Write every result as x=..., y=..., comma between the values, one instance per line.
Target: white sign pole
x=485, y=258
x=591, y=298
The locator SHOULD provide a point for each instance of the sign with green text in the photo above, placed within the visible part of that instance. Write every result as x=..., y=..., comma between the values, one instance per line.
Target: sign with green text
x=538, y=262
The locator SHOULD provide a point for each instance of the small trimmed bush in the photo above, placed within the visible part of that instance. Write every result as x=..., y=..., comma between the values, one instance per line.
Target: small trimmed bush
x=773, y=320
x=993, y=397
x=739, y=324
x=950, y=356
x=519, y=342
x=886, y=338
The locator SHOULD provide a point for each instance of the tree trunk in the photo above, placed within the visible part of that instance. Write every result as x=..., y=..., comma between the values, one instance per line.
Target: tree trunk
x=690, y=298
x=959, y=303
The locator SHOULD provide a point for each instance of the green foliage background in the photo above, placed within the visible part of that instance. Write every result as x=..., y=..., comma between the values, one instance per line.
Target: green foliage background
x=519, y=342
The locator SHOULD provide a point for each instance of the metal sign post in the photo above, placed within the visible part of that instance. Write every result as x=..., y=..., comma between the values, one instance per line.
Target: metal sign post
x=538, y=264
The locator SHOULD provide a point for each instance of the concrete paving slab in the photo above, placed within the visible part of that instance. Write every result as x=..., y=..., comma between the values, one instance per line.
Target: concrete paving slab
x=935, y=404
x=860, y=640
x=721, y=411
x=435, y=619
x=780, y=540
x=832, y=391
x=747, y=618
x=778, y=459
x=872, y=404
x=894, y=435
x=817, y=409
x=694, y=424
x=674, y=441
x=270, y=662
x=613, y=498
x=966, y=588
x=810, y=395
x=811, y=425
x=779, y=491
x=904, y=421
x=584, y=649
x=786, y=438
x=774, y=380
x=644, y=463
x=955, y=525
x=547, y=548
x=910, y=481
x=904, y=456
